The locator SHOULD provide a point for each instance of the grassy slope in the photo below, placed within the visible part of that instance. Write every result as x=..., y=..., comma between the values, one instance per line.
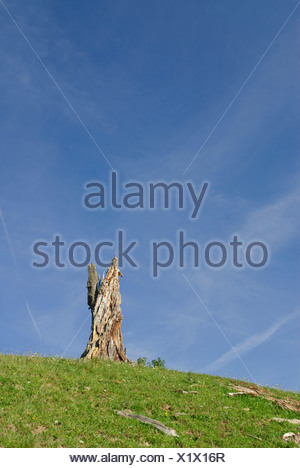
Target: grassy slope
x=53, y=402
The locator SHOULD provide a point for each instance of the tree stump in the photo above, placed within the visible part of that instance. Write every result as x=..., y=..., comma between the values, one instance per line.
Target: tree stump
x=104, y=300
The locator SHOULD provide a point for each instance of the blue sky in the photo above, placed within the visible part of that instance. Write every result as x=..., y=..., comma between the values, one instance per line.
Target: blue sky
x=146, y=83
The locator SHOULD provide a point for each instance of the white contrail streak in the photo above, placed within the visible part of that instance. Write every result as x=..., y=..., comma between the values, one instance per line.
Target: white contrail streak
x=241, y=89
x=233, y=349
x=33, y=319
x=9, y=242
x=248, y=344
x=56, y=84
x=10, y=245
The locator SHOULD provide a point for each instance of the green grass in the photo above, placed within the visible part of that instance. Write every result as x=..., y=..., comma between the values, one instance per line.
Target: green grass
x=54, y=402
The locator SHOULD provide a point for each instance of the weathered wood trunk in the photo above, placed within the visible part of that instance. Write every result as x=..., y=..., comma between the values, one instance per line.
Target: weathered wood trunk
x=104, y=300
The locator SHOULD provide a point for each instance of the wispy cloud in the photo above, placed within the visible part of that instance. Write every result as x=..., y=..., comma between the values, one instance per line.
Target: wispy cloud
x=248, y=344
x=274, y=222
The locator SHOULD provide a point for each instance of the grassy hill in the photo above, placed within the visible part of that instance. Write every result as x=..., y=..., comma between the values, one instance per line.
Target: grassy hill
x=54, y=402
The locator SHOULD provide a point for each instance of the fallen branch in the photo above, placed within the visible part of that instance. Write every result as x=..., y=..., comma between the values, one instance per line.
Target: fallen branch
x=253, y=436
x=184, y=391
x=288, y=403
x=291, y=421
x=160, y=426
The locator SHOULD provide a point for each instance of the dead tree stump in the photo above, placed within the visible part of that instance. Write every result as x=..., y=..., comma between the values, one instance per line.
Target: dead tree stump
x=104, y=300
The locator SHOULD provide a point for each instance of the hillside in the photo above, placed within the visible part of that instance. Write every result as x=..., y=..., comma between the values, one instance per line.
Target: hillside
x=54, y=402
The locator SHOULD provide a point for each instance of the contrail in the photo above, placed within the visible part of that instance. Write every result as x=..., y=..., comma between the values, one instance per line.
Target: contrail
x=33, y=320
x=233, y=349
x=56, y=84
x=10, y=245
x=241, y=88
x=248, y=344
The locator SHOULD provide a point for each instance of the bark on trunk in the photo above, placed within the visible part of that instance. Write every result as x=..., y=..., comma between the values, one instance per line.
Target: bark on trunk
x=104, y=300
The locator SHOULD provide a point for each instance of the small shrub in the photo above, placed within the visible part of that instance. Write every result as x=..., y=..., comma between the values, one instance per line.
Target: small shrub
x=142, y=361
x=158, y=363
x=155, y=363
